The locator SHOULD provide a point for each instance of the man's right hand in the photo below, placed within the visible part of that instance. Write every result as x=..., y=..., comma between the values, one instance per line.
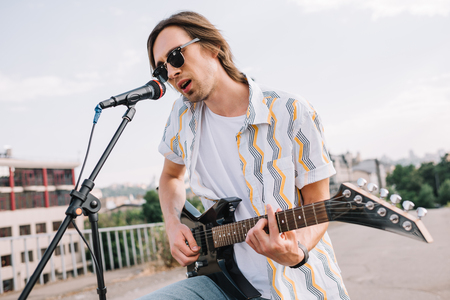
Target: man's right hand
x=183, y=246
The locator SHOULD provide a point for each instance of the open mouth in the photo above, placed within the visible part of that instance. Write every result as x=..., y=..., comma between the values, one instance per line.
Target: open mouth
x=185, y=84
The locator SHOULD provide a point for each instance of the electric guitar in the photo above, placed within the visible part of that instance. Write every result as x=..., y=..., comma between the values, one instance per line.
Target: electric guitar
x=216, y=230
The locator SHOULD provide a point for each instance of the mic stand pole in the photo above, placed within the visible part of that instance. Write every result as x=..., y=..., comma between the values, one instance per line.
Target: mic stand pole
x=82, y=202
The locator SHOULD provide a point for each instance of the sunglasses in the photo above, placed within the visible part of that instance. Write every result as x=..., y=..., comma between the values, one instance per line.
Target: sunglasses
x=175, y=58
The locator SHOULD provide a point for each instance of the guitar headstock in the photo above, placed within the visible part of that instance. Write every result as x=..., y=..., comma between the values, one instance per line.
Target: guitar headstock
x=355, y=205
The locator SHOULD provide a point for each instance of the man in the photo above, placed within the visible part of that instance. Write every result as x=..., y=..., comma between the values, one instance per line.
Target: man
x=236, y=138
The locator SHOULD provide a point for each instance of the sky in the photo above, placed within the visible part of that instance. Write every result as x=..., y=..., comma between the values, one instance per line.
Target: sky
x=377, y=72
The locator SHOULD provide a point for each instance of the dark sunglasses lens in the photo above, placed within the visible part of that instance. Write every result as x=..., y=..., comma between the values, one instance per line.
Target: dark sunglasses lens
x=160, y=73
x=176, y=59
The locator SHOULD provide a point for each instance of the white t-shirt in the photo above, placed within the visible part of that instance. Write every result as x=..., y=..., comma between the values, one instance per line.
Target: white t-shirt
x=219, y=168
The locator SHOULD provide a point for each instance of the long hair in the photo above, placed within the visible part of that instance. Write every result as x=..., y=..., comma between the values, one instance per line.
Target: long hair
x=197, y=26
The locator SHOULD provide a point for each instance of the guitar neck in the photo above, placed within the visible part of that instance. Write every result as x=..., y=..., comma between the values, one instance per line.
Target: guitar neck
x=287, y=220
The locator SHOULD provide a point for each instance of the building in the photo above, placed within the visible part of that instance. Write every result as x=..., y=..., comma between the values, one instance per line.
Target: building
x=350, y=168
x=34, y=196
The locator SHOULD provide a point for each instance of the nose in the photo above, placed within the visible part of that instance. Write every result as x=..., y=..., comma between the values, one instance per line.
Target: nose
x=172, y=72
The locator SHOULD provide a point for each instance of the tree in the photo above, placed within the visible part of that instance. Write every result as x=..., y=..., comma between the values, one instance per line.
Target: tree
x=407, y=182
x=426, y=197
x=197, y=203
x=152, y=208
x=444, y=192
x=428, y=173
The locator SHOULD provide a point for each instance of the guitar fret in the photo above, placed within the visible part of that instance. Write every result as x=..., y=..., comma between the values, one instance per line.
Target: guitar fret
x=304, y=218
x=295, y=218
x=287, y=222
x=315, y=216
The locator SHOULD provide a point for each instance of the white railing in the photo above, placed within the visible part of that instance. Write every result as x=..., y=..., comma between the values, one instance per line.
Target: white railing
x=120, y=247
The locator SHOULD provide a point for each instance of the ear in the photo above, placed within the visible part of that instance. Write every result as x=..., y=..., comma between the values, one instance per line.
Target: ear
x=216, y=52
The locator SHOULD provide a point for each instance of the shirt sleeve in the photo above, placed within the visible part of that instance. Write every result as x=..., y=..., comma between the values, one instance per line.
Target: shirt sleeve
x=311, y=155
x=170, y=143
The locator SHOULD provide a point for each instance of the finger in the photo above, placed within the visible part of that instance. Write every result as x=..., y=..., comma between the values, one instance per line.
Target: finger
x=190, y=248
x=274, y=233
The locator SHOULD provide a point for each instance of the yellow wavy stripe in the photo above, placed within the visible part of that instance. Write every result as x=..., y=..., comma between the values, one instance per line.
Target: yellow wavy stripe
x=257, y=148
x=283, y=182
x=294, y=105
x=314, y=281
x=324, y=156
x=271, y=114
x=331, y=246
x=244, y=162
x=273, y=278
x=179, y=130
x=300, y=154
x=291, y=282
x=299, y=196
x=335, y=273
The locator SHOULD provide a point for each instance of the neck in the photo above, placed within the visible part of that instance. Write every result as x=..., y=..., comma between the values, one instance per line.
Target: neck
x=230, y=98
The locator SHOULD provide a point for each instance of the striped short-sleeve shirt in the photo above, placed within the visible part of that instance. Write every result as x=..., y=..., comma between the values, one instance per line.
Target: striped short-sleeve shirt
x=281, y=148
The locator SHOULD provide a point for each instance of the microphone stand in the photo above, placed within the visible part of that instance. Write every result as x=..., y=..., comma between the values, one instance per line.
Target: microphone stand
x=82, y=202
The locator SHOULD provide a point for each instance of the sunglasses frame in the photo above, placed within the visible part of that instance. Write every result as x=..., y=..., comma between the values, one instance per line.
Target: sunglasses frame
x=160, y=71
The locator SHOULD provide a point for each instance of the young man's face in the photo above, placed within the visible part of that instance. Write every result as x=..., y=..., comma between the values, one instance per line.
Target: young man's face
x=196, y=78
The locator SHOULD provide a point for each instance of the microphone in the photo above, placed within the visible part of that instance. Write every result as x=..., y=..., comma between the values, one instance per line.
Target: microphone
x=151, y=90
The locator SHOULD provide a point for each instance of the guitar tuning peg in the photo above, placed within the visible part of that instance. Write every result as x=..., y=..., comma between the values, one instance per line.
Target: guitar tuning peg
x=407, y=205
x=421, y=212
x=361, y=182
x=384, y=193
x=372, y=187
x=395, y=199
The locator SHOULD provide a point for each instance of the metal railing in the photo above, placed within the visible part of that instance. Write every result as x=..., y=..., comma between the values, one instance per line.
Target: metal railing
x=120, y=247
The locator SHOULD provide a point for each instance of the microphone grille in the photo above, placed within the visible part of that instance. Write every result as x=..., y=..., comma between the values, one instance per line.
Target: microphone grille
x=158, y=87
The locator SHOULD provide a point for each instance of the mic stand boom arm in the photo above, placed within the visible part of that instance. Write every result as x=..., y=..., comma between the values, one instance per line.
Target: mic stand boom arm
x=82, y=202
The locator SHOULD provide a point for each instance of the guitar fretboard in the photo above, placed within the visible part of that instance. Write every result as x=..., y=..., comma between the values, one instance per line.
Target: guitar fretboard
x=287, y=220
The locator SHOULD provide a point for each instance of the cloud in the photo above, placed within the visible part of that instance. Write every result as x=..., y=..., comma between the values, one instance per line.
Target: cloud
x=415, y=118
x=30, y=88
x=381, y=8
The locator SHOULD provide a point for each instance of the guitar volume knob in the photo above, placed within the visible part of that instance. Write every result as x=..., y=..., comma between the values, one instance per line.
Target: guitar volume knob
x=191, y=274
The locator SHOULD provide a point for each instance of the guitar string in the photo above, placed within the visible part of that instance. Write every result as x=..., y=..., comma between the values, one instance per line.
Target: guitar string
x=311, y=220
x=208, y=232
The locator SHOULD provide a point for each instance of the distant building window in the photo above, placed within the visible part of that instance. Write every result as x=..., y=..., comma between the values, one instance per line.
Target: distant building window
x=5, y=201
x=6, y=260
x=56, y=225
x=28, y=177
x=59, y=177
x=43, y=251
x=58, y=250
x=25, y=230
x=5, y=232
x=7, y=285
x=75, y=247
x=30, y=256
x=59, y=198
x=30, y=200
x=41, y=228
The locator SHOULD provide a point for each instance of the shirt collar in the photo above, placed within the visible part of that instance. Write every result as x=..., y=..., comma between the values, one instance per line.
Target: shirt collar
x=257, y=112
